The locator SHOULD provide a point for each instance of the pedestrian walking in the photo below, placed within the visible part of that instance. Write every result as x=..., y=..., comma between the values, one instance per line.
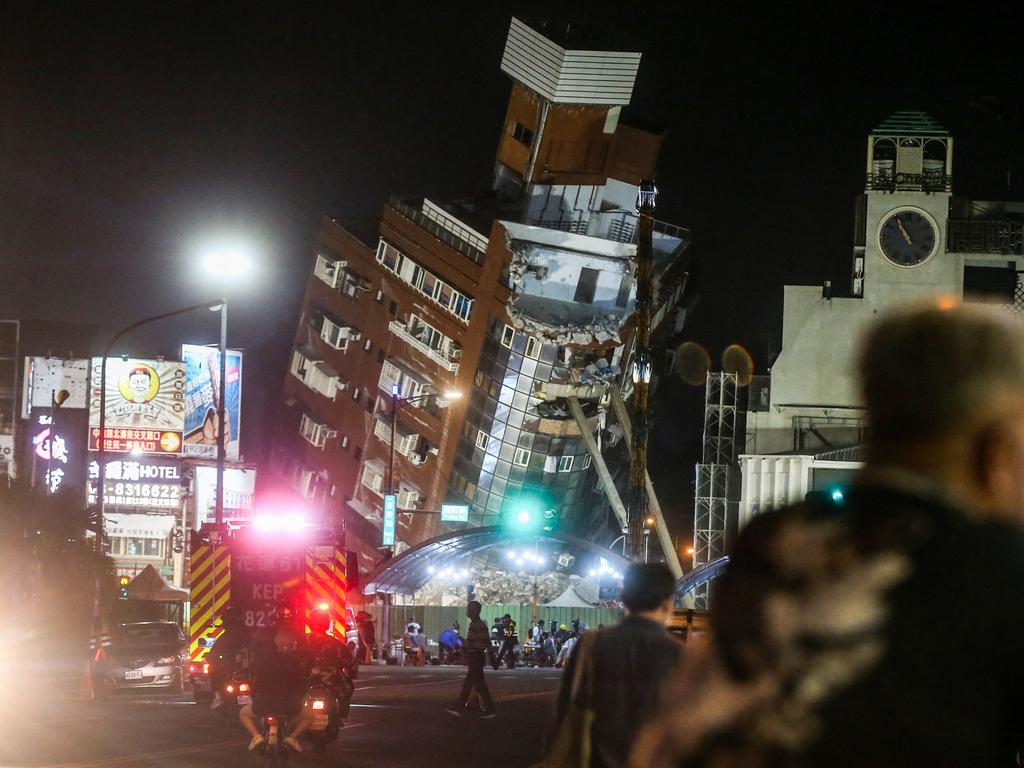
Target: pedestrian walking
x=509, y=641
x=618, y=674
x=476, y=647
x=833, y=640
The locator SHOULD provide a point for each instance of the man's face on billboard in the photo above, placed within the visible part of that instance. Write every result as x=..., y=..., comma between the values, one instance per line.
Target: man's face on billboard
x=138, y=385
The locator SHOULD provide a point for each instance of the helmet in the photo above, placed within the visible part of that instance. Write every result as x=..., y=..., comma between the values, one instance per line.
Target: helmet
x=319, y=620
x=562, y=626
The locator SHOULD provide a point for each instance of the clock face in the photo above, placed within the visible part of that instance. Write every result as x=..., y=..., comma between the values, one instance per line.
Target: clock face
x=907, y=237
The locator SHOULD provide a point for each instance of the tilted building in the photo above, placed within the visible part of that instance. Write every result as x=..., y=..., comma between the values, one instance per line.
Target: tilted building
x=519, y=300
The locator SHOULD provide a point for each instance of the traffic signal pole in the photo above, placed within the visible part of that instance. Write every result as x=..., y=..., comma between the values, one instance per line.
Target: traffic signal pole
x=636, y=502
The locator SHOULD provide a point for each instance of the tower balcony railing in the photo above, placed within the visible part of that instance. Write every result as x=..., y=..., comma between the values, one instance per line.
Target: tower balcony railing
x=909, y=182
x=975, y=236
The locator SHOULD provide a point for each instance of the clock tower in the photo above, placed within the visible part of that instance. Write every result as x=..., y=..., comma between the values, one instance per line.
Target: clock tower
x=901, y=221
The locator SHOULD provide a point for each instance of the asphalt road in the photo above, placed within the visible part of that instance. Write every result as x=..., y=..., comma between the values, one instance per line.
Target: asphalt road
x=398, y=718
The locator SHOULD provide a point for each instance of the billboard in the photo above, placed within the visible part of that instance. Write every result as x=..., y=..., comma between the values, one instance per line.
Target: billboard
x=202, y=390
x=151, y=484
x=145, y=403
x=44, y=376
x=239, y=489
x=54, y=449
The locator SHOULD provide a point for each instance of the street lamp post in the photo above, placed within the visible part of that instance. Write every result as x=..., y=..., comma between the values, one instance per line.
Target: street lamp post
x=397, y=401
x=101, y=441
x=222, y=426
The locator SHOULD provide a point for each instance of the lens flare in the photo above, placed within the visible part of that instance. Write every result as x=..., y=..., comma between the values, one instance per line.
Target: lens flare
x=735, y=359
x=692, y=363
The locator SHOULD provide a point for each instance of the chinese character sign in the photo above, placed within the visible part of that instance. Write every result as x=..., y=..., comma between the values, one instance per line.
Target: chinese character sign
x=202, y=392
x=142, y=396
x=390, y=518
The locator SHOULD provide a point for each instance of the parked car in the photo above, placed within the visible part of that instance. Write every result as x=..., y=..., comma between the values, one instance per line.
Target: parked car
x=145, y=654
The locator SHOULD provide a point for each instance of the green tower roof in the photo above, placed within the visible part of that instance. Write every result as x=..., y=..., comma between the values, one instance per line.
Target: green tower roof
x=909, y=123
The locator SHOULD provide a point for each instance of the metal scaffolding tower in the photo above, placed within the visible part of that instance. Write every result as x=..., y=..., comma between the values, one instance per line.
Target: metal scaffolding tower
x=715, y=473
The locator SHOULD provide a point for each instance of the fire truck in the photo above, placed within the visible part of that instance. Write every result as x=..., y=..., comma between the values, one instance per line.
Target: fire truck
x=260, y=567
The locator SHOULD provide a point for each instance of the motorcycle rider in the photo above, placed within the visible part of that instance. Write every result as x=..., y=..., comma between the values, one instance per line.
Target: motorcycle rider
x=228, y=652
x=332, y=659
x=280, y=673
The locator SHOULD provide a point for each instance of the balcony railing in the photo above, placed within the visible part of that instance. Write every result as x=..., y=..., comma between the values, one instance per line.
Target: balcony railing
x=397, y=328
x=464, y=247
x=971, y=236
x=909, y=182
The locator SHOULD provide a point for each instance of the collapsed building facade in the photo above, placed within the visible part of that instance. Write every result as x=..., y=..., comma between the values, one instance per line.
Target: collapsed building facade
x=518, y=300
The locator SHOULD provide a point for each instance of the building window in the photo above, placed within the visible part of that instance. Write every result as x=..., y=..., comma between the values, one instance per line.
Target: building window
x=522, y=457
x=328, y=266
x=481, y=440
x=586, y=288
x=344, y=442
x=533, y=347
x=507, y=336
x=551, y=464
x=367, y=345
x=371, y=405
x=622, y=299
x=380, y=356
x=359, y=453
x=315, y=432
x=586, y=461
x=522, y=134
x=424, y=281
x=356, y=392
x=380, y=296
x=393, y=308
x=334, y=334
x=565, y=464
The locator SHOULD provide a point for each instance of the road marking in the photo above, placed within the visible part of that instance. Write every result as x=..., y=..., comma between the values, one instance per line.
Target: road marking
x=373, y=706
x=407, y=685
x=514, y=696
x=127, y=759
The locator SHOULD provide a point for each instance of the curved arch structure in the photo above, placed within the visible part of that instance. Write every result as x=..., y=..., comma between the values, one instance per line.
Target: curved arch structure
x=701, y=575
x=409, y=571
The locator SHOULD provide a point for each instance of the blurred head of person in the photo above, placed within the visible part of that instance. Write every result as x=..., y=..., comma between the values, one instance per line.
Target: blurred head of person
x=473, y=609
x=943, y=385
x=648, y=589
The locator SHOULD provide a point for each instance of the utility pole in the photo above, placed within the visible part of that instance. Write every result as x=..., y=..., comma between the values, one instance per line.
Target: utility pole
x=636, y=506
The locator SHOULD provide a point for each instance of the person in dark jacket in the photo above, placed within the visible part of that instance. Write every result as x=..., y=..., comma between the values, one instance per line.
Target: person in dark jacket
x=625, y=666
x=837, y=632
x=476, y=647
x=509, y=641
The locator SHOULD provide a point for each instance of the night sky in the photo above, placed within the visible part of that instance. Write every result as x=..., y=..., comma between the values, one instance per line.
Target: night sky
x=126, y=142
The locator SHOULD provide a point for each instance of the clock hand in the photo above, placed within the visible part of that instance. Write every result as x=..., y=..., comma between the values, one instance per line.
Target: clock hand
x=903, y=231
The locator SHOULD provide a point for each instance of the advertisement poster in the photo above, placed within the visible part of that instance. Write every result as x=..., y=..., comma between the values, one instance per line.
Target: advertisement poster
x=145, y=404
x=148, y=484
x=202, y=390
x=46, y=376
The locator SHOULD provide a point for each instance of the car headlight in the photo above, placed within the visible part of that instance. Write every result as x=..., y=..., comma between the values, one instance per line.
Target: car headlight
x=166, y=660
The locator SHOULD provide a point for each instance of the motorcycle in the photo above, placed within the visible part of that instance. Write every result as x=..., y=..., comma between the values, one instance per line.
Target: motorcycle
x=275, y=751
x=328, y=696
x=327, y=722
x=236, y=693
